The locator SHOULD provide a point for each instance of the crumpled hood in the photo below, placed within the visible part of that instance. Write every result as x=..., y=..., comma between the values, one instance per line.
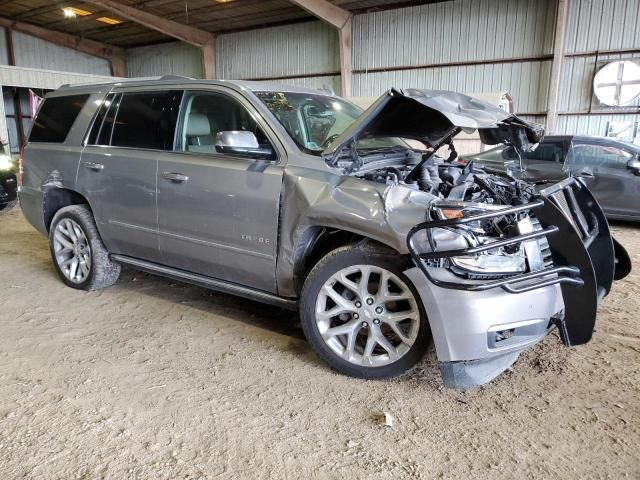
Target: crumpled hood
x=430, y=116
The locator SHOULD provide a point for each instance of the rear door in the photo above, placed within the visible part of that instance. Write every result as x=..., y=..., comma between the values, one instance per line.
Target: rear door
x=218, y=212
x=615, y=187
x=118, y=167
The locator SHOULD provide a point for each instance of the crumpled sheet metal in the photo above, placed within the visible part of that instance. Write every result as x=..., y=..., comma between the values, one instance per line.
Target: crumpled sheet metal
x=312, y=199
x=429, y=116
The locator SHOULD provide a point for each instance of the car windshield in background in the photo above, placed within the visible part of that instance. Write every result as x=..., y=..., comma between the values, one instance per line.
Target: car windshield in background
x=314, y=121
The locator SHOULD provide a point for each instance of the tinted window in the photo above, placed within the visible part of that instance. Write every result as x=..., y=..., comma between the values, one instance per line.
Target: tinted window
x=56, y=117
x=592, y=155
x=146, y=120
x=104, y=136
x=547, y=152
x=206, y=114
x=98, y=123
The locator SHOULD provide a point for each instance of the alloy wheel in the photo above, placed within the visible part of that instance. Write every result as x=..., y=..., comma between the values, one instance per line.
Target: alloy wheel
x=367, y=315
x=72, y=250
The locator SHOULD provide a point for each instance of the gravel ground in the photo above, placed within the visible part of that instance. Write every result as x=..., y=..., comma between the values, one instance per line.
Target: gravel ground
x=154, y=379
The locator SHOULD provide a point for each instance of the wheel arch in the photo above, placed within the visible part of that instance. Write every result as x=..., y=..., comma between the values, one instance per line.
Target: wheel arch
x=55, y=198
x=318, y=240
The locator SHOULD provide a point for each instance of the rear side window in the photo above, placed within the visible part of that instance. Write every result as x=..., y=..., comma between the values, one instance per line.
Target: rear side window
x=103, y=122
x=55, y=118
x=146, y=120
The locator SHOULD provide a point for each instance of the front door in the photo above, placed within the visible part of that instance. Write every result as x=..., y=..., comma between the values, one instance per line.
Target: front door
x=218, y=212
x=615, y=187
x=119, y=164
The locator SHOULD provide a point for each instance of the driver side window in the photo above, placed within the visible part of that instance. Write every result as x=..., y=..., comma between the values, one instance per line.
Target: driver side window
x=206, y=114
x=591, y=155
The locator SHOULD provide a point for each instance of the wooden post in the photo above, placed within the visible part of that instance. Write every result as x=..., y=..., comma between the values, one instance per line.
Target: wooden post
x=346, y=61
x=119, y=65
x=556, y=66
x=342, y=20
x=209, y=59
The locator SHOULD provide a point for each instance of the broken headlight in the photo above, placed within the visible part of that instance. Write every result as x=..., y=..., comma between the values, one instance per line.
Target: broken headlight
x=504, y=261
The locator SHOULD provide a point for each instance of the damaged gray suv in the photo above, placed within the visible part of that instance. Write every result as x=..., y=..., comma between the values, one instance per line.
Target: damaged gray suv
x=299, y=199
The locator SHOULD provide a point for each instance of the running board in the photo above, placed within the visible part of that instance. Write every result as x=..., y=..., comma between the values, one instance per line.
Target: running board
x=207, y=282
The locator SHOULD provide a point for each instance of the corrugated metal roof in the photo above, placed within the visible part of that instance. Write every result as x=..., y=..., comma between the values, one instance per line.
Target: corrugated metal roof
x=204, y=14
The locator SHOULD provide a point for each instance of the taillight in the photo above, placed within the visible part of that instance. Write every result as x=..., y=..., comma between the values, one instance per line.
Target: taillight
x=21, y=165
x=461, y=160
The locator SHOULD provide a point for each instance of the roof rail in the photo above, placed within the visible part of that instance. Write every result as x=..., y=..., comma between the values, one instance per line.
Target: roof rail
x=126, y=80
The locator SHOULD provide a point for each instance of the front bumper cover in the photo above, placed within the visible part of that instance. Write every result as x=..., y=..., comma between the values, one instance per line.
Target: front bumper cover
x=462, y=314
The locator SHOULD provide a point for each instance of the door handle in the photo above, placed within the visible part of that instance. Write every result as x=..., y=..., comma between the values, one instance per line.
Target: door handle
x=96, y=167
x=175, y=177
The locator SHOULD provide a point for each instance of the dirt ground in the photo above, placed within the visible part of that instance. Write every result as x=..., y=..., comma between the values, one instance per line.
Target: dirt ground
x=158, y=380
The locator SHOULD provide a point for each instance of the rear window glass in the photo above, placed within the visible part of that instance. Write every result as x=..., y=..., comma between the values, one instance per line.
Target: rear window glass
x=56, y=117
x=147, y=120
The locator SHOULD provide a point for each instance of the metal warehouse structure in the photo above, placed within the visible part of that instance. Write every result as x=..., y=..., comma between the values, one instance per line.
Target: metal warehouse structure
x=544, y=52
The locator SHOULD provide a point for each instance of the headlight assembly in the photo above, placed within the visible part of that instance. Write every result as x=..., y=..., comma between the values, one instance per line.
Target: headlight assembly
x=489, y=265
x=486, y=265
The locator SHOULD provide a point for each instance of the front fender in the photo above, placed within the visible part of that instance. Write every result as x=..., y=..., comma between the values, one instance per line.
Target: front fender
x=314, y=199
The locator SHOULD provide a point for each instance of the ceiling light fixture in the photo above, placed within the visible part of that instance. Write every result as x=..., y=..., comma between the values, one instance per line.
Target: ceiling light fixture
x=109, y=20
x=224, y=1
x=73, y=12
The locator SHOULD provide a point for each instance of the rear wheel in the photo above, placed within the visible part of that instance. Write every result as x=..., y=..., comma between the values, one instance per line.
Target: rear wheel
x=79, y=256
x=362, y=315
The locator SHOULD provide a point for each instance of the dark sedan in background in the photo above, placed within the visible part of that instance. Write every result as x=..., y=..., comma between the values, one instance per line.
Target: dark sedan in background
x=8, y=180
x=611, y=168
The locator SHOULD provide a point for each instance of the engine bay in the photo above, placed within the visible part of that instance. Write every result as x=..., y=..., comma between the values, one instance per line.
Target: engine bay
x=459, y=191
x=449, y=181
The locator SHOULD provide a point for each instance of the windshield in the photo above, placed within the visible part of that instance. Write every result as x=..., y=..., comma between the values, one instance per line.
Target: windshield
x=314, y=121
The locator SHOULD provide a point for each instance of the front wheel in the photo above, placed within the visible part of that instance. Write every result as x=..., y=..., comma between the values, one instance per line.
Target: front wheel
x=362, y=315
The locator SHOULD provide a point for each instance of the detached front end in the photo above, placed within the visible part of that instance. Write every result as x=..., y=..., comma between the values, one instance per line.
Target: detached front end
x=498, y=295
x=498, y=263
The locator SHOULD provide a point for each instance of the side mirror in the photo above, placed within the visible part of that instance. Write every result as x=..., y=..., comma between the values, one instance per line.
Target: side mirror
x=634, y=165
x=585, y=172
x=241, y=143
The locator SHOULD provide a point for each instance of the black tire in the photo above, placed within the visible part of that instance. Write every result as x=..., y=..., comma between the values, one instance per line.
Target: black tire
x=102, y=272
x=368, y=253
